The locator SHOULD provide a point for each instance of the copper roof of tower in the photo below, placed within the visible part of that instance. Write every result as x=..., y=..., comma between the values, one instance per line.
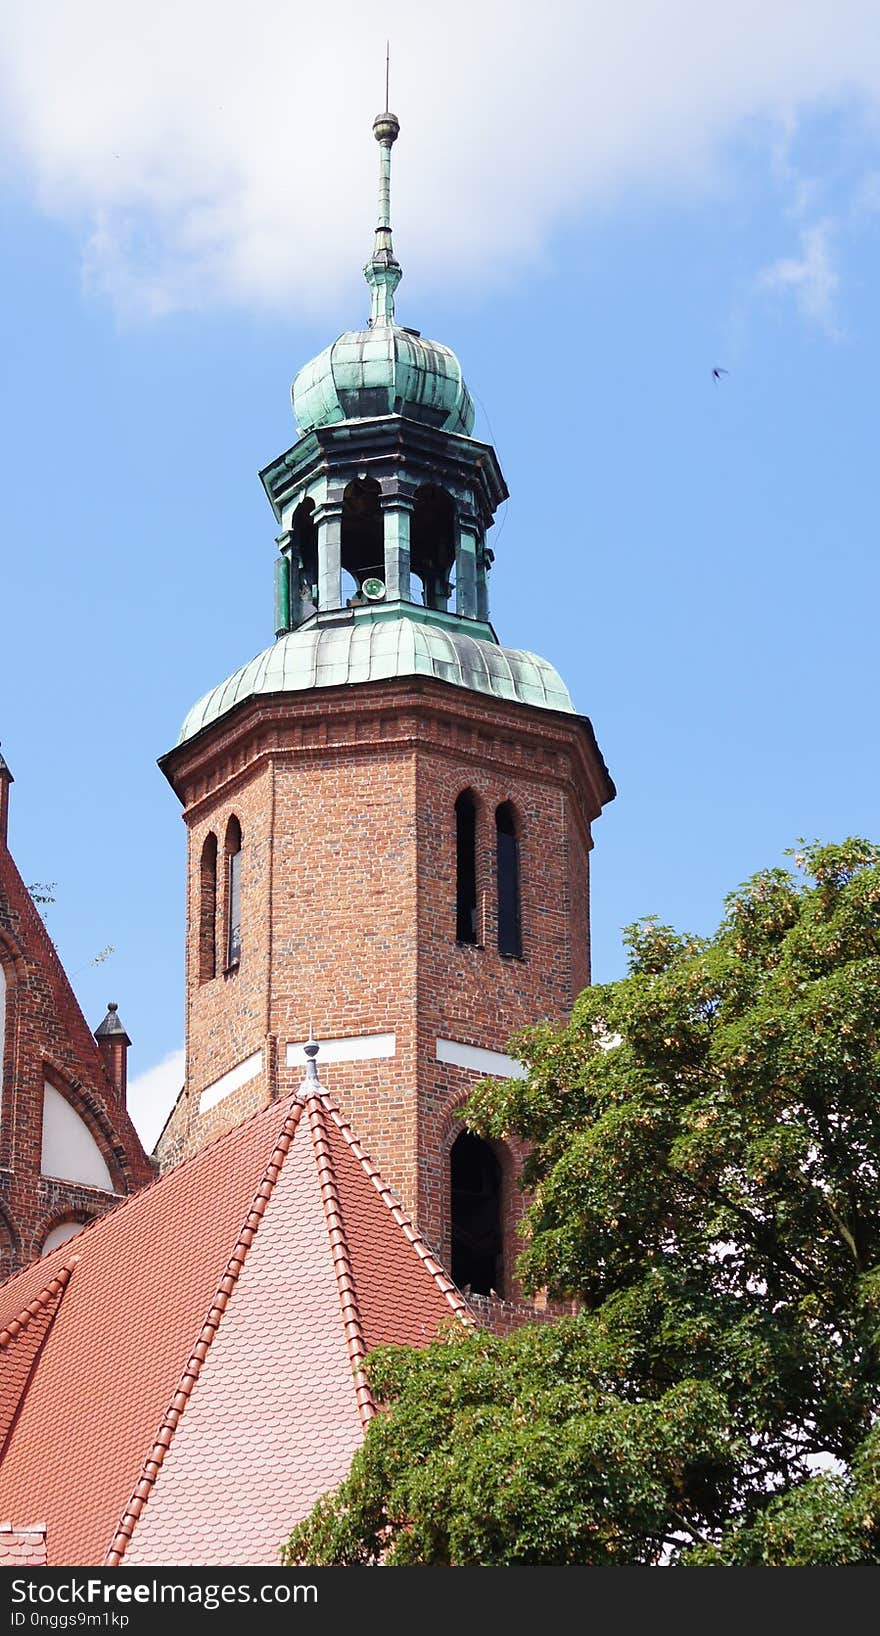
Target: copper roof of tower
x=371, y=649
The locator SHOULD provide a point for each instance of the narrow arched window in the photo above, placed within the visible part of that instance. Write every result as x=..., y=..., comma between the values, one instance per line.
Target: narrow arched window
x=507, y=854
x=477, y=1239
x=208, y=910
x=466, y=868
x=233, y=868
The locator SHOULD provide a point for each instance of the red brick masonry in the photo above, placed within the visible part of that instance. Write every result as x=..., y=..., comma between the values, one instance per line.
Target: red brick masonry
x=47, y=1039
x=346, y=797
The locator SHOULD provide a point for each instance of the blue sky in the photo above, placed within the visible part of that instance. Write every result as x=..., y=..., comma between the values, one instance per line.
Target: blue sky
x=698, y=558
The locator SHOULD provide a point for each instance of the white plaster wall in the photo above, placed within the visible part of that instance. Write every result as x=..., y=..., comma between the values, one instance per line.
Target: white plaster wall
x=60, y=1235
x=354, y=1048
x=242, y=1074
x=70, y=1152
x=480, y=1061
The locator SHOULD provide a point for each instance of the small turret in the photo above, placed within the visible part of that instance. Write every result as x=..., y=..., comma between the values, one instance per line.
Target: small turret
x=113, y=1044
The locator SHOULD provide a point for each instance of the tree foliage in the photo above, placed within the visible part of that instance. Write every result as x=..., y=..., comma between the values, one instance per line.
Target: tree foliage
x=704, y=1175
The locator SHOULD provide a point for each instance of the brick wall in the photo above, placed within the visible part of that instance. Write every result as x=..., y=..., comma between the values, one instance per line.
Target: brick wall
x=46, y=1038
x=346, y=800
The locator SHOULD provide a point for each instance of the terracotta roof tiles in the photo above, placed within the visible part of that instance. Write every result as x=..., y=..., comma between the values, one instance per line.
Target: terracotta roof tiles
x=22, y=1547
x=198, y=1382
x=20, y=1343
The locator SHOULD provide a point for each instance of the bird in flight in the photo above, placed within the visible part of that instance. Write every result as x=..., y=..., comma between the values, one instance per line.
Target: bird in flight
x=718, y=372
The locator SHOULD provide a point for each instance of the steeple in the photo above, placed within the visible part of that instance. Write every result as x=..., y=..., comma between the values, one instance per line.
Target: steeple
x=410, y=799
x=383, y=273
x=386, y=368
x=386, y=498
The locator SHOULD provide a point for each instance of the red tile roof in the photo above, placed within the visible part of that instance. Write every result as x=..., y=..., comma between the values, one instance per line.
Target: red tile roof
x=22, y=1547
x=195, y=1383
x=20, y=1343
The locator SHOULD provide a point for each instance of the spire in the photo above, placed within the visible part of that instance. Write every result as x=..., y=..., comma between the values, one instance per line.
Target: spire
x=383, y=273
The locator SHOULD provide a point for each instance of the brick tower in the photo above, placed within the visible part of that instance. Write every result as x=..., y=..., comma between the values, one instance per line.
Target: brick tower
x=388, y=814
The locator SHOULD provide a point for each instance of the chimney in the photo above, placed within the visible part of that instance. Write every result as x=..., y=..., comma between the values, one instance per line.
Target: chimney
x=113, y=1044
x=6, y=779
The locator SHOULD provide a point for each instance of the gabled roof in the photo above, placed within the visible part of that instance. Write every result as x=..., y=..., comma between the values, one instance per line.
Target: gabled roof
x=66, y=1043
x=194, y=1381
x=30, y=933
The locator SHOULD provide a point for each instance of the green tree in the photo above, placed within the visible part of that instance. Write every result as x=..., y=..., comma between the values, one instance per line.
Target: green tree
x=705, y=1180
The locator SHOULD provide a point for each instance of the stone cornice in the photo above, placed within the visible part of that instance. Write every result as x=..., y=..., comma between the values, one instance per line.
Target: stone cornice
x=418, y=714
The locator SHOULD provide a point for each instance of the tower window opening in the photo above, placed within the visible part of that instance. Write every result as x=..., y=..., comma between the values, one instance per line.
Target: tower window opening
x=466, y=868
x=351, y=590
x=508, y=872
x=208, y=910
x=305, y=546
x=363, y=539
x=233, y=865
x=432, y=544
x=477, y=1239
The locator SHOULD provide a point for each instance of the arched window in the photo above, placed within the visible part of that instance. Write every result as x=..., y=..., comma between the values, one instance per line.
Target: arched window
x=233, y=913
x=60, y=1234
x=208, y=910
x=507, y=854
x=466, y=868
x=363, y=540
x=432, y=544
x=477, y=1241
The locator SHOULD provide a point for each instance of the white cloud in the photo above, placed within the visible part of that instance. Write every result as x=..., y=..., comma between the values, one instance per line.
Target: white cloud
x=207, y=151
x=152, y=1095
x=811, y=277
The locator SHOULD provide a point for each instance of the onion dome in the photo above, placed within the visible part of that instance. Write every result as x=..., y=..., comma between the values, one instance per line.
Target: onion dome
x=384, y=369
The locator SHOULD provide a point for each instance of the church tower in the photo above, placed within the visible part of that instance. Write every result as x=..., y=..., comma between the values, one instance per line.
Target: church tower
x=388, y=813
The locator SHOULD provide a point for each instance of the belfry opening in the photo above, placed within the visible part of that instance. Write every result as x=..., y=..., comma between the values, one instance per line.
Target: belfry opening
x=477, y=1233
x=363, y=547
x=432, y=548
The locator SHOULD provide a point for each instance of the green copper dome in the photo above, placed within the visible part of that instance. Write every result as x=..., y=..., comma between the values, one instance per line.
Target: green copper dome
x=384, y=369
x=377, y=649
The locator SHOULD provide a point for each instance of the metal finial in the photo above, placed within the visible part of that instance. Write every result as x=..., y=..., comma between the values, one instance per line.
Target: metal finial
x=383, y=272
x=311, y=1049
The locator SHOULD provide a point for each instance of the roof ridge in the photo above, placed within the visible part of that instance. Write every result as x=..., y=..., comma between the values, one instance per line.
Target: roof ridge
x=351, y=1316
x=222, y=1136
x=40, y=1302
x=192, y=1370
x=123, y=1201
x=405, y=1222
x=44, y=1306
